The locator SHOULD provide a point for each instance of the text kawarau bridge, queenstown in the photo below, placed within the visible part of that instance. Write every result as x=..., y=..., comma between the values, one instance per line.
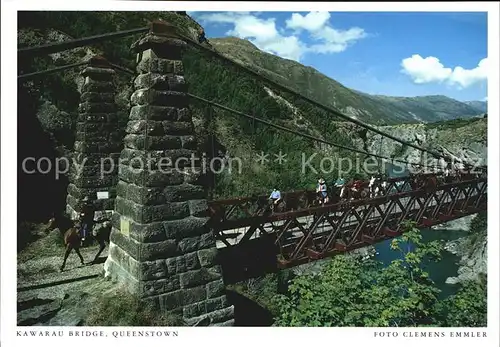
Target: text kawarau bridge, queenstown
x=166, y=235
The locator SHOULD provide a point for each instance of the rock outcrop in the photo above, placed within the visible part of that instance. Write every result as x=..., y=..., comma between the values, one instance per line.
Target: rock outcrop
x=473, y=253
x=465, y=143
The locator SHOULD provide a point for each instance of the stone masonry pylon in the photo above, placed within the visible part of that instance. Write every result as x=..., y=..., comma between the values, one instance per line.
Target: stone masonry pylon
x=93, y=173
x=161, y=247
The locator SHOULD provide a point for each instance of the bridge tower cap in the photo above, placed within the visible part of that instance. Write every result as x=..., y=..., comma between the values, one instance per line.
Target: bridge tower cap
x=99, y=61
x=162, y=28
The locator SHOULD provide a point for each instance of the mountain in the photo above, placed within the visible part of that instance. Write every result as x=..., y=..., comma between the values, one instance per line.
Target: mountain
x=480, y=105
x=371, y=108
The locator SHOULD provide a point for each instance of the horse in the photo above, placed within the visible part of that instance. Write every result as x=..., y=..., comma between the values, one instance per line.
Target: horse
x=376, y=186
x=279, y=206
x=358, y=190
x=72, y=238
x=415, y=181
x=465, y=175
x=318, y=199
x=335, y=194
x=379, y=188
x=345, y=193
x=295, y=201
x=426, y=183
x=102, y=235
x=372, y=185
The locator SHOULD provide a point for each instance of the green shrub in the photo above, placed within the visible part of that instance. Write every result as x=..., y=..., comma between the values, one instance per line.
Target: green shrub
x=123, y=309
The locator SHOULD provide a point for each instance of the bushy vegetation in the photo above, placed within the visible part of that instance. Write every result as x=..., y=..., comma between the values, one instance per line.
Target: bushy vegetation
x=453, y=124
x=479, y=223
x=242, y=138
x=123, y=309
x=352, y=292
x=467, y=308
x=35, y=241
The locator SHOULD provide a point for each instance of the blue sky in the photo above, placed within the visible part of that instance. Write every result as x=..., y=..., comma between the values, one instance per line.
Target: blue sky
x=399, y=54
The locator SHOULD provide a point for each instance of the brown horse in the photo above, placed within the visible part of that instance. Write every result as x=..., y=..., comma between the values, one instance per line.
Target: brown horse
x=426, y=183
x=73, y=239
x=277, y=206
x=102, y=235
x=354, y=190
x=466, y=175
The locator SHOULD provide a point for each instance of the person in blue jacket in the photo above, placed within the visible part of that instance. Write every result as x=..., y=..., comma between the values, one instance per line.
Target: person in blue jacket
x=275, y=198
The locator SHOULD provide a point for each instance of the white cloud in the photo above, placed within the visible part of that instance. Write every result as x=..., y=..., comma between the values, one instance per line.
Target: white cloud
x=268, y=36
x=332, y=40
x=312, y=21
x=430, y=69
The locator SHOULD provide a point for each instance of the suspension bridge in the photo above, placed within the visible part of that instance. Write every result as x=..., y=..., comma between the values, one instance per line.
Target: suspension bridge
x=166, y=235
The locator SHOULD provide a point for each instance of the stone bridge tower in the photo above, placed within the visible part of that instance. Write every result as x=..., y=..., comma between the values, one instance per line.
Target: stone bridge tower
x=97, y=145
x=160, y=246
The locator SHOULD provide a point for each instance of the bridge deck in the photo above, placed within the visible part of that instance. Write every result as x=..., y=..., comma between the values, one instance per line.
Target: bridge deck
x=315, y=232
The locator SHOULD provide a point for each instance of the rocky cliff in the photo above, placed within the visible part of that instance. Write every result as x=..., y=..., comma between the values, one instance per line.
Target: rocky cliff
x=466, y=141
x=472, y=249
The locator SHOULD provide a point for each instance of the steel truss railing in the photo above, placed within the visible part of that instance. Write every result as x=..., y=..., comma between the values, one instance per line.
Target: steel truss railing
x=236, y=211
x=312, y=233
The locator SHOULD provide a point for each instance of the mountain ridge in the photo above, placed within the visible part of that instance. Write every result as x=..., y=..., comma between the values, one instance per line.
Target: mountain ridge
x=376, y=109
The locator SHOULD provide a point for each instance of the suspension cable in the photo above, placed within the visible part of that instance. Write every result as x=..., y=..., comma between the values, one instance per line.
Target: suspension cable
x=314, y=102
x=70, y=44
x=67, y=67
x=121, y=68
x=310, y=137
x=48, y=71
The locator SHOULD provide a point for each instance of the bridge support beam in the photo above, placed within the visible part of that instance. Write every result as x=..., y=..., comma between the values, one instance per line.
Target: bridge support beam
x=161, y=247
x=93, y=171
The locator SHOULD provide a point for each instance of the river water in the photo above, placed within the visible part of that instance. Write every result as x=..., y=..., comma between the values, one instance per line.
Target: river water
x=438, y=271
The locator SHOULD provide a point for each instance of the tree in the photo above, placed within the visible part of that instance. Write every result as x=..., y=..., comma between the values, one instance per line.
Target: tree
x=407, y=293
x=349, y=292
x=468, y=307
x=479, y=223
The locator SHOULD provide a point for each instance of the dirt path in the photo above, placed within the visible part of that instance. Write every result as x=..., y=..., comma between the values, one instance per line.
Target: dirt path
x=46, y=296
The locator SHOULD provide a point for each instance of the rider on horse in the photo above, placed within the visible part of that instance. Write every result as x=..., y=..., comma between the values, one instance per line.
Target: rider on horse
x=372, y=185
x=340, y=182
x=86, y=218
x=321, y=190
x=339, y=187
x=357, y=185
x=275, y=198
